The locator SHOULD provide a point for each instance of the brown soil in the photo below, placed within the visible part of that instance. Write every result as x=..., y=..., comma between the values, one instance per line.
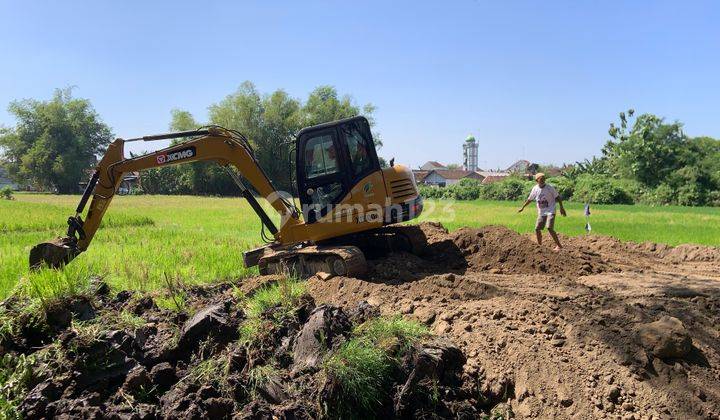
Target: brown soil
x=560, y=330
x=601, y=329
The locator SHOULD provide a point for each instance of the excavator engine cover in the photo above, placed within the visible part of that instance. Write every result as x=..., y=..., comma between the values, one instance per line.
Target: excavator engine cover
x=54, y=254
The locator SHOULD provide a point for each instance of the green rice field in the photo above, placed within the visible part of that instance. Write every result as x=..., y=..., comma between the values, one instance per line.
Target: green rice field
x=201, y=239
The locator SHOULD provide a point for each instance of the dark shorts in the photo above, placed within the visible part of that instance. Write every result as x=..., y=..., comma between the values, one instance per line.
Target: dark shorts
x=545, y=221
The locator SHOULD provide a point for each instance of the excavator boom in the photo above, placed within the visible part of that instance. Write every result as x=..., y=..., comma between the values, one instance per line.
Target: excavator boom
x=213, y=144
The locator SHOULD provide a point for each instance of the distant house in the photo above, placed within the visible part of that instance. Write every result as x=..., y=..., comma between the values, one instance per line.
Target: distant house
x=131, y=180
x=488, y=177
x=5, y=181
x=420, y=175
x=519, y=167
x=444, y=177
x=493, y=178
x=432, y=165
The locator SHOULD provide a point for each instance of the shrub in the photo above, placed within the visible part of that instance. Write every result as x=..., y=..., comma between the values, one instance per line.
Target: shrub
x=137, y=191
x=691, y=195
x=601, y=190
x=6, y=193
x=507, y=189
x=713, y=198
x=662, y=195
x=564, y=186
x=429, y=191
x=635, y=189
x=466, y=189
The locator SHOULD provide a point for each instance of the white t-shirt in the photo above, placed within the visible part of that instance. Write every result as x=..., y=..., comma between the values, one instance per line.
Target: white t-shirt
x=545, y=198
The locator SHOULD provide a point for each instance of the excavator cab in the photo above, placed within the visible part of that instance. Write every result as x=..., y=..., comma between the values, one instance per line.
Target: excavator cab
x=331, y=159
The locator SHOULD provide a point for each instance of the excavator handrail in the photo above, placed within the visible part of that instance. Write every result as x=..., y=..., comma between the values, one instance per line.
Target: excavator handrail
x=168, y=136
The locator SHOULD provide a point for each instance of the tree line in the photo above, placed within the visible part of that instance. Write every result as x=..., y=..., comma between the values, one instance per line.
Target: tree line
x=55, y=142
x=646, y=159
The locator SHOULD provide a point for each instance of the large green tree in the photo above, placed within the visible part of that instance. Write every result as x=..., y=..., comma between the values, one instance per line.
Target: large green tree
x=270, y=122
x=657, y=162
x=648, y=151
x=324, y=104
x=54, y=142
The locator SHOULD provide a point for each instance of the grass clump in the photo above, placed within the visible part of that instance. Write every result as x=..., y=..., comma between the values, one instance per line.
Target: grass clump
x=86, y=332
x=249, y=330
x=176, y=296
x=259, y=376
x=29, y=315
x=363, y=365
x=209, y=368
x=283, y=294
x=396, y=332
x=47, y=285
x=362, y=371
x=283, y=297
x=8, y=327
x=16, y=377
x=174, y=303
x=129, y=321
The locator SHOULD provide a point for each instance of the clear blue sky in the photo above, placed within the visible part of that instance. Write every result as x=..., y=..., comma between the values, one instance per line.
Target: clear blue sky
x=536, y=80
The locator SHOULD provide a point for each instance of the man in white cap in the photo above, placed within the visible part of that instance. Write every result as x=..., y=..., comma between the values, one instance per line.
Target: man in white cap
x=545, y=196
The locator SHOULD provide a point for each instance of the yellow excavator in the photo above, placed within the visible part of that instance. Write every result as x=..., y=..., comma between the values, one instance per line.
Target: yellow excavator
x=347, y=200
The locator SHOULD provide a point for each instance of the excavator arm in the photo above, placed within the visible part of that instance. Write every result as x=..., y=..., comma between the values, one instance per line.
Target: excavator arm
x=212, y=144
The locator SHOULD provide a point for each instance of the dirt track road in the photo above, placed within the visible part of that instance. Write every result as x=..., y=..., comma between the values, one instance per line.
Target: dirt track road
x=558, y=335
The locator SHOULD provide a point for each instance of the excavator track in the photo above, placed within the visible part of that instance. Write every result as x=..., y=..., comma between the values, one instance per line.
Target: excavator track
x=414, y=237
x=378, y=243
x=323, y=261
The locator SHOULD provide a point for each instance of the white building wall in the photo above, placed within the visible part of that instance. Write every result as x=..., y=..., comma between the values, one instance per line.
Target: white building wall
x=435, y=179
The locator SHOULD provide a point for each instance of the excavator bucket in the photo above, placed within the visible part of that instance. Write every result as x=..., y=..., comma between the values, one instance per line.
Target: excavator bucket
x=53, y=254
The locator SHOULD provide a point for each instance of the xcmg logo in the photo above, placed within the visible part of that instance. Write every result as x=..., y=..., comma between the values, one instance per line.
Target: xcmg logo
x=185, y=153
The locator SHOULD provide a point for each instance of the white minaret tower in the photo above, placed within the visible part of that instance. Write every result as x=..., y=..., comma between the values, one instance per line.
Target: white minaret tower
x=470, y=154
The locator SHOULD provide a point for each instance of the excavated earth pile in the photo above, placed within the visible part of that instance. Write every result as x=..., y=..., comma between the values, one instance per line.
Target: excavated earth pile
x=601, y=329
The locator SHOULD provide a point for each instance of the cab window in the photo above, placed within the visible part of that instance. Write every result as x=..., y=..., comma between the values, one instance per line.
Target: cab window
x=320, y=157
x=358, y=149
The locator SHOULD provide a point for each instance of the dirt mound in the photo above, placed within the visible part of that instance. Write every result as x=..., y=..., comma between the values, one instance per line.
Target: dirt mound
x=501, y=250
x=498, y=249
x=598, y=346
x=687, y=252
x=583, y=333
x=678, y=254
x=493, y=249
